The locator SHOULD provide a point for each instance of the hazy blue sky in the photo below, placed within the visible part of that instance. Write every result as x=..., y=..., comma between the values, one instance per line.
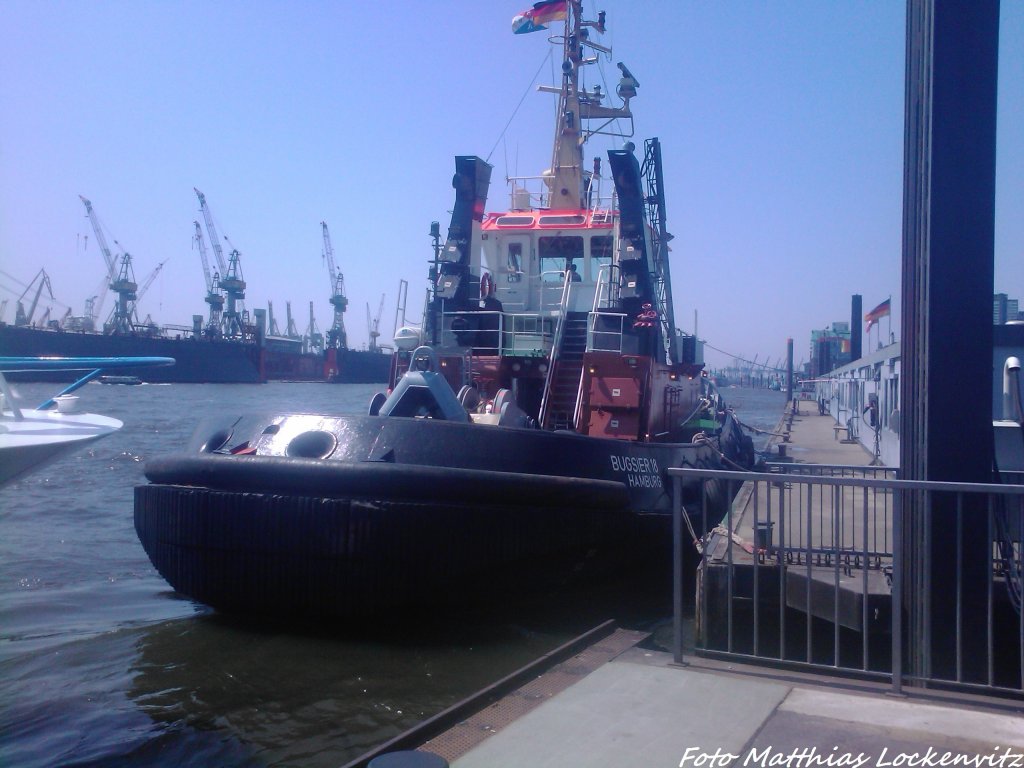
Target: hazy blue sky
x=781, y=125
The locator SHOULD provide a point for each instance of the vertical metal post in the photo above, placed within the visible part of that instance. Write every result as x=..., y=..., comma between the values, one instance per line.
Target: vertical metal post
x=789, y=370
x=783, y=545
x=926, y=667
x=703, y=564
x=856, y=324
x=959, y=585
x=897, y=592
x=948, y=242
x=837, y=522
x=728, y=549
x=757, y=563
x=810, y=566
x=677, y=570
x=990, y=629
x=864, y=585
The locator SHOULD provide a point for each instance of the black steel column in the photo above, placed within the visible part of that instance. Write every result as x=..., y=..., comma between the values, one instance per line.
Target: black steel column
x=946, y=392
x=789, y=369
x=856, y=326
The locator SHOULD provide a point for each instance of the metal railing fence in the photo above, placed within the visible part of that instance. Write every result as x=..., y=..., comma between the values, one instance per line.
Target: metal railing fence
x=807, y=569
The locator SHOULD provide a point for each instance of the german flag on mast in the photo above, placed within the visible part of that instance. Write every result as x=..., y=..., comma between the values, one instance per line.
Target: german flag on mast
x=538, y=17
x=878, y=312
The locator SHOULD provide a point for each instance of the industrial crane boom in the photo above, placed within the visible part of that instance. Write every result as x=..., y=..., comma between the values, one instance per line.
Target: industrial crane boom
x=336, y=335
x=329, y=254
x=234, y=319
x=211, y=228
x=121, y=279
x=374, y=323
x=108, y=257
x=201, y=244
x=25, y=318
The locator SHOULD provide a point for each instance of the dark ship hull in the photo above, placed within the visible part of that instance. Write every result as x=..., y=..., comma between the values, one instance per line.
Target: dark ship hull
x=196, y=360
x=404, y=512
x=354, y=366
x=287, y=365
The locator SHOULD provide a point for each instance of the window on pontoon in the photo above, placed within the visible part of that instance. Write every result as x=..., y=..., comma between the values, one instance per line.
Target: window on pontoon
x=556, y=254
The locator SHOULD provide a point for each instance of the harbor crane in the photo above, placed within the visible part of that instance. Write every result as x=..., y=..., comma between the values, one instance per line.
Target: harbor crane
x=121, y=278
x=313, y=341
x=23, y=318
x=127, y=295
x=234, y=286
x=374, y=324
x=231, y=282
x=214, y=296
x=272, y=329
x=290, y=331
x=108, y=258
x=336, y=336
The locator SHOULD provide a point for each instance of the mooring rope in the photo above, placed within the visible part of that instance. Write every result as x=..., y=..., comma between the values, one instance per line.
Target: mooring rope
x=755, y=429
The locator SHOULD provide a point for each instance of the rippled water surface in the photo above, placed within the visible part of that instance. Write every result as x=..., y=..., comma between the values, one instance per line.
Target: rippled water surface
x=101, y=663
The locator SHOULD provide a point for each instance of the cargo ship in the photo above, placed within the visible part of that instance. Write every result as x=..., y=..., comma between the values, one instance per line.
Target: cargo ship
x=199, y=360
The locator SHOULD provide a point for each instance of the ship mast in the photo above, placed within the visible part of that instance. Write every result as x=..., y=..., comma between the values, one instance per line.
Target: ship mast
x=567, y=180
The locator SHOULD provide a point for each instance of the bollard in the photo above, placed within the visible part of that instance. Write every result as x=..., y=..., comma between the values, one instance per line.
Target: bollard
x=763, y=534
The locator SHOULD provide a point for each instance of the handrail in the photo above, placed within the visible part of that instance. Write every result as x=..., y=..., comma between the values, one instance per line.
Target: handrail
x=503, y=332
x=840, y=535
x=95, y=366
x=19, y=364
x=604, y=278
x=592, y=333
x=556, y=347
x=577, y=414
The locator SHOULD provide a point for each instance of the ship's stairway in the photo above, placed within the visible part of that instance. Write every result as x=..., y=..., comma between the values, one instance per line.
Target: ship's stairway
x=566, y=382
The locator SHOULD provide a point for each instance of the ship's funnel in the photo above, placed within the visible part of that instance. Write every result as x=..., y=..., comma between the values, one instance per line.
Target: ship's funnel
x=471, y=180
x=634, y=264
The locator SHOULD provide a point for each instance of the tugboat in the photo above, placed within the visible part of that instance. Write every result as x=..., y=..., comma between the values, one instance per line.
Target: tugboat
x=528, y=426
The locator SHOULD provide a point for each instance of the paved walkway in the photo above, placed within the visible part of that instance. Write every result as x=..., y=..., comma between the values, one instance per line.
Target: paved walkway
x=811, y=439
x=640, y=710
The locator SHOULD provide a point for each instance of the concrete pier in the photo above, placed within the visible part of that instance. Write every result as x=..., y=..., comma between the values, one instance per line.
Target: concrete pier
x=636, y=708
x=640, y=710
x=623, y=702
x=805, y=525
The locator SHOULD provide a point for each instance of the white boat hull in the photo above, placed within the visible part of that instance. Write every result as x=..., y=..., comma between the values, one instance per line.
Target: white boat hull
x=42, y=436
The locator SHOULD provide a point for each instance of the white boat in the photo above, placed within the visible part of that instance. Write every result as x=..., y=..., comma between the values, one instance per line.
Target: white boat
x=32, y=437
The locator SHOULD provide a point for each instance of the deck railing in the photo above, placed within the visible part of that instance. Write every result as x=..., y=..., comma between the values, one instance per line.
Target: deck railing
x=492, y=332
x=807, y=569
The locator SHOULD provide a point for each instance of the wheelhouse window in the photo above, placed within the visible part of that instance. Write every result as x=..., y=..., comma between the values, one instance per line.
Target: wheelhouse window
x=557, y=254
x=600, y=254
x=561, y=221
x=514, y=262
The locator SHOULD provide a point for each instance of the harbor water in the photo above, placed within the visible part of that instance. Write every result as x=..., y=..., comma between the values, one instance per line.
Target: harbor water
x=101, y=663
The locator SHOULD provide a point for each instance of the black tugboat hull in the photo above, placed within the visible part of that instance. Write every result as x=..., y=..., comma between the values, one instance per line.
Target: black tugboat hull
x=404, y=513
